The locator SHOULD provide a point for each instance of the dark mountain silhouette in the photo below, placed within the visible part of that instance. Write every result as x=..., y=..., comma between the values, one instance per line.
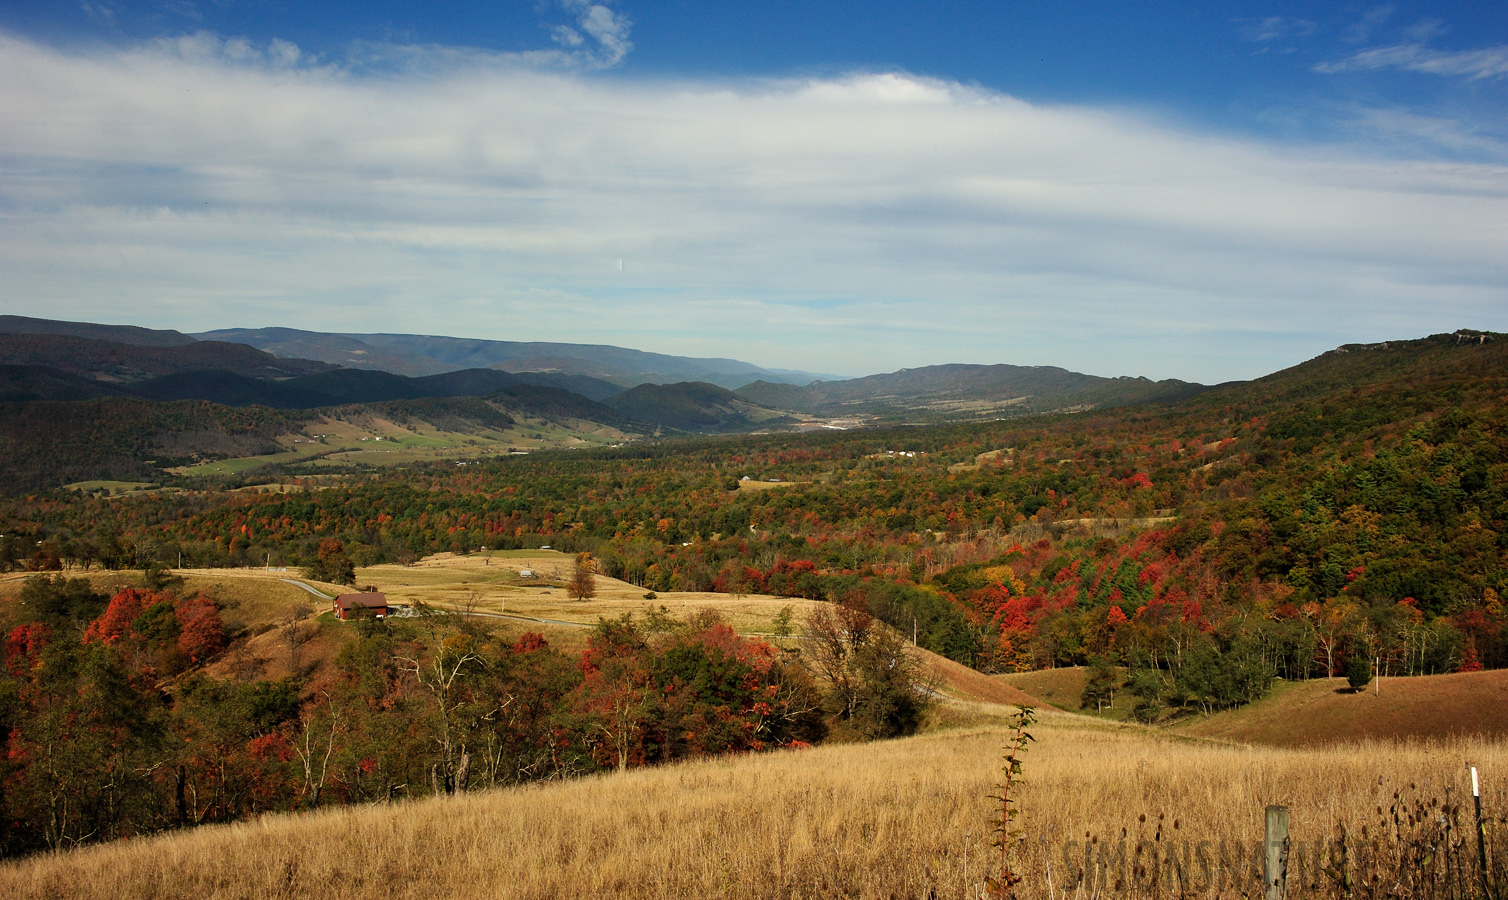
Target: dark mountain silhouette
x=125, y=334
x=115, y=361
x=417, y=354
x=20, y=384
x=695, y=407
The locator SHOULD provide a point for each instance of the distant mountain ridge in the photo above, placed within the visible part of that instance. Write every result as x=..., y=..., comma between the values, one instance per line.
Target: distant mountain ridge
x=118, y=362
x=415, y=355
x=962, y=390
x=342, y=387
x=59, y=426
x=125, y=334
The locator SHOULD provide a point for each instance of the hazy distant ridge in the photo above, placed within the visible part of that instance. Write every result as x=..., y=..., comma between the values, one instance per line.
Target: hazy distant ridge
x=415, y=354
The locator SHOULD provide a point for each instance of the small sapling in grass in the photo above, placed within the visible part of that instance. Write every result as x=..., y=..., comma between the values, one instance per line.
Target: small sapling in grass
x=1007, y=837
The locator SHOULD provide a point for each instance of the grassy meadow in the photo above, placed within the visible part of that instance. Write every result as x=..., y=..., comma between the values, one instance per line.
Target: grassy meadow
x=377, y=441
x=1159, y=812
x=905, y=818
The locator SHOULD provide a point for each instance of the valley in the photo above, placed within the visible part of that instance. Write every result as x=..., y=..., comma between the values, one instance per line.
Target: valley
x=679, y=582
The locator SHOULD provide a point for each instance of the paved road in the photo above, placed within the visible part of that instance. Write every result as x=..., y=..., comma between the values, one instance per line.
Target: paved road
x=299, y=584
x=489, y=615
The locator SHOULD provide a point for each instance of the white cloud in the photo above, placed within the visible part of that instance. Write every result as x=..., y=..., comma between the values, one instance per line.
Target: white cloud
x=1276, y=28
x=1361, y=30
x=1426, y=29
x=1491, y=62
x=608, y=30
x=849, y=224
x=1426, y=133
x=566, y=36
x=100, y=12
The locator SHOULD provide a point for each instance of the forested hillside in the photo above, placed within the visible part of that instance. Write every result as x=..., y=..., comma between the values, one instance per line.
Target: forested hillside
x=1350, y=509
x=961, y=392
x=1356, y=503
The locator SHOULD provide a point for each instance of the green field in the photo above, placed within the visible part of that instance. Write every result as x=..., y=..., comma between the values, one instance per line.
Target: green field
x=375, y=441
x=114, y=487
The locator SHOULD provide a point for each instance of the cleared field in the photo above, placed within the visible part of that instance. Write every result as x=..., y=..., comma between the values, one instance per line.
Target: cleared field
x=495, y=583
x=377, y=442
x=1062, y=688
x=1320, y=711
x=905, y=818
x=751, y=486
x=113, y=487
x=1324, y=711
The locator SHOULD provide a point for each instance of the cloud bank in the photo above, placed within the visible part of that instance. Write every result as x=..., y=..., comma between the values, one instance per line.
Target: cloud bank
x=852, y=224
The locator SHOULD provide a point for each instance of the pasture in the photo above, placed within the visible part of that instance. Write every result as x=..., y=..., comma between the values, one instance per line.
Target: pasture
x=904, y=818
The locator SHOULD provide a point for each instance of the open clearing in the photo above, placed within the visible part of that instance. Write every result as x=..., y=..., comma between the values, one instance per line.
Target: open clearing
x=1324, y=710
x=375, y=441
x=752, y=486
x=495, y=583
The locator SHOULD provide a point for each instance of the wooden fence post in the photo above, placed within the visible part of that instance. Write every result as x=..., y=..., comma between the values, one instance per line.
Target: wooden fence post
x=1476, y=796
x=1275, y=860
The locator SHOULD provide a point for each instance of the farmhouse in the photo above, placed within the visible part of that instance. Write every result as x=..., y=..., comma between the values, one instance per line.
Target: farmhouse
x=348, y=605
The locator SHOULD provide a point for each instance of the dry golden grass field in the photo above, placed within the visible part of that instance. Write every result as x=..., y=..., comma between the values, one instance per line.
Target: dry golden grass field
x=1324, y=710
x=494, y=583
x=1061, y=688
x=905, y=818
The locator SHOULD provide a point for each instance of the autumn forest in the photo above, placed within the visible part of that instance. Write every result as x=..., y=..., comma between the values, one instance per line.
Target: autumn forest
x=1349, y=513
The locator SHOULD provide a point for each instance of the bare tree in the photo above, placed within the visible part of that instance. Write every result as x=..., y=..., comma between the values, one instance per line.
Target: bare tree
x=442, y=677
x=292, y=621
x=316, y=764
x=583, y=583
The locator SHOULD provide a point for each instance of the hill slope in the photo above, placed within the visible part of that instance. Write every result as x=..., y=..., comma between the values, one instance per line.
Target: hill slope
x=959, y=391
x=119, y=362
x=692, y=406
x=417, y=354
x=905, y=818
x=1324, y=711
x=125, y=334
x=1356, y=385
x=26, y=383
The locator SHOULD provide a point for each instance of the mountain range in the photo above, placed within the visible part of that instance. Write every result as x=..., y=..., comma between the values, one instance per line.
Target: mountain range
x=417, y=355
x=85, y=400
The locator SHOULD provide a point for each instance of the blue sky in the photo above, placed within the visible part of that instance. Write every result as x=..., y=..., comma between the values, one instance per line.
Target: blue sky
x=1201, y=191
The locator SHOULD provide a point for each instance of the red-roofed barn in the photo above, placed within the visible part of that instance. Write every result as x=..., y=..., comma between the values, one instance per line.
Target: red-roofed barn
x=349, y=605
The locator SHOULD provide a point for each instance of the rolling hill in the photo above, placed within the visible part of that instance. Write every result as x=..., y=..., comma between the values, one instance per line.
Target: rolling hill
x=954, y=392
x=118, y=362
x=340, y=387
x=29, y=383
x=1321, y=711
x=1325, y=711
x=124, y=334
x=695, y=407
